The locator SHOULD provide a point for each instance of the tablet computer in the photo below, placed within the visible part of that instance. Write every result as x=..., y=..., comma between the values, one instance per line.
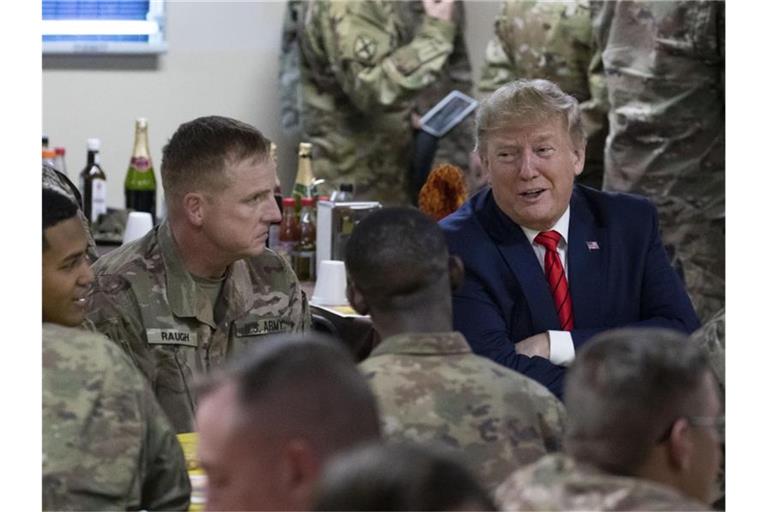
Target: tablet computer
x=448, y=113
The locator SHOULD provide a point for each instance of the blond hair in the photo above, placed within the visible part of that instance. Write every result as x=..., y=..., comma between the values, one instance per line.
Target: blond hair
x=527, y=101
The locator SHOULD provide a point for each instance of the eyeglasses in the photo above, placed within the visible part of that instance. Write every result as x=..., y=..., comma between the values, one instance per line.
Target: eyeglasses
x=716, y=422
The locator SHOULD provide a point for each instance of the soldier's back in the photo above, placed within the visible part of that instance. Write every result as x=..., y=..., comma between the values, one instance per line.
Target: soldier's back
x=557, y=482
x=431, y=388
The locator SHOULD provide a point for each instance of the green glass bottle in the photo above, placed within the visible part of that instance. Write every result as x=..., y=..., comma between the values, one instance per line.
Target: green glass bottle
x=305, y=178
x=140, y=183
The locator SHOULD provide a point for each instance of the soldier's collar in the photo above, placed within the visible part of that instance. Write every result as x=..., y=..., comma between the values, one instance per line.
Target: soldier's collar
x=440, y=343
x=180, y=286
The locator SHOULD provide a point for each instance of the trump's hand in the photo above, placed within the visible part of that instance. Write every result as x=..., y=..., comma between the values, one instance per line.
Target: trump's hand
x=440, y=9
x=536, y=345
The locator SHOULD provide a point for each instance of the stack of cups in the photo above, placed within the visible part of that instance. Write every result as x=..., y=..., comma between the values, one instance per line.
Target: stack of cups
x=138, y=225
x=331, y=285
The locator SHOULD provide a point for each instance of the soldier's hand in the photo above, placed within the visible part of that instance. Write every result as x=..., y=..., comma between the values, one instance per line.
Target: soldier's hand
x=536, y=345
x=415, y=121
x=440, y=9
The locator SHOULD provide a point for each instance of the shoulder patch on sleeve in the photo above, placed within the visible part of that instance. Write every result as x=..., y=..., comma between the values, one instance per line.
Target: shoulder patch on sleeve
x=364, y=48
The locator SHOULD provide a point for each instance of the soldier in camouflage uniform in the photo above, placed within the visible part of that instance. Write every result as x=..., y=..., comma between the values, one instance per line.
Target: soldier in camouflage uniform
x=270, y=422
x=366, y=67
x=106, y=444
x=201, y=286
x=557, y=482
x=552, y=40
x=642, y=434
x=429, y=384
x=664, y=67
x=55, y=180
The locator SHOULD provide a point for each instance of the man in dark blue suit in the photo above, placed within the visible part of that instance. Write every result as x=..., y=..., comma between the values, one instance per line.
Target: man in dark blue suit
x=549, y=265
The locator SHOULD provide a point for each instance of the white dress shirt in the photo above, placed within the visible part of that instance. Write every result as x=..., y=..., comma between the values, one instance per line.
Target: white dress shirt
x=561, y=350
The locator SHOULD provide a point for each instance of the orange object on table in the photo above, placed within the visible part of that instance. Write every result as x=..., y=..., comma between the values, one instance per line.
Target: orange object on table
x=444, y=191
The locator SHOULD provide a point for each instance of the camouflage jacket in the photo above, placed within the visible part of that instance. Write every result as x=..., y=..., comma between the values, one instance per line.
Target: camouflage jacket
x=289, y=77
x=59, y=182
x=106, y=443
x=363, y=63
x=556, y=482
x=553, y=40
x=147, y=302
x=665, y=77
x=432, y=388
x=711, y=337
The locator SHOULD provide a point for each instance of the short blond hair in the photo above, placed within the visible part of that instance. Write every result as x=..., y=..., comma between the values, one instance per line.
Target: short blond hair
x=526, y=101
x=197, y=155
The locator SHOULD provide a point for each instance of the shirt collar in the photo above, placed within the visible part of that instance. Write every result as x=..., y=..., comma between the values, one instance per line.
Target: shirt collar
x=179, y=285
x=561, y=226
x=421, y=343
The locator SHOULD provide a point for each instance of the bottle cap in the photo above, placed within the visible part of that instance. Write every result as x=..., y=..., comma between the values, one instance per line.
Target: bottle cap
x=305, y=149
x=45, y=140
x=94, y=144
x=49, y=154
x=60, y=151
x=289, y=201
x=307, y=201
x=141, y=122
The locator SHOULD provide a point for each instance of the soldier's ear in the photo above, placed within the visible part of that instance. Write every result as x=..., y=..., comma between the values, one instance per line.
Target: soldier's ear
x=302, y=467
x=356, y=299
x=193, y=205
x=680, y=445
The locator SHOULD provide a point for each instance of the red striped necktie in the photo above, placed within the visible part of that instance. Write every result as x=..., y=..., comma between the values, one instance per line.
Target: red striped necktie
x=555, y=273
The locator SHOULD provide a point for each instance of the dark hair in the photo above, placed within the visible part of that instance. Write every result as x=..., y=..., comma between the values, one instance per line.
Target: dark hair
x=395, y=256
x=399, y=477
x=305, y=385
x=195, y=156
x=624, y=389
x=56, y=208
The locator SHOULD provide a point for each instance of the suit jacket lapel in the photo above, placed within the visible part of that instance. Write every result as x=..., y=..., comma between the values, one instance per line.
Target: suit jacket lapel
x=517, y=253
x=587, y=262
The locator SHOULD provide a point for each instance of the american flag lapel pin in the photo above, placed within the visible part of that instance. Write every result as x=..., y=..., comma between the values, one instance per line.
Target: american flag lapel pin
x=592, y=245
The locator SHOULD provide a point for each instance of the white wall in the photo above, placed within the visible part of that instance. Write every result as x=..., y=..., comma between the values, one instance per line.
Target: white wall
x=222, y=59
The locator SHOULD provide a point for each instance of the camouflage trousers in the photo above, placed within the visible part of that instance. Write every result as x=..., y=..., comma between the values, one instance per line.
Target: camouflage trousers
x=697, y=247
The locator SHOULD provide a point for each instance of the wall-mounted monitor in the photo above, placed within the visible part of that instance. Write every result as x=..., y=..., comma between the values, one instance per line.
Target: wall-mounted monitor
x=104, y=26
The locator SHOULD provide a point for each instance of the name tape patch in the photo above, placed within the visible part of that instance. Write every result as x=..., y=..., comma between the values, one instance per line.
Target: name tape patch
x=171, y=337
x=262, y=326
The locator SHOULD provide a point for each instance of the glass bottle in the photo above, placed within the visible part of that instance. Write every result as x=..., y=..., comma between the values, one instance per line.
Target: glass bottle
x=274, y=230
x=304, y=252
x=305, y=178
x=61, y=164
x=49, y=158
x=93, y=183
x=344, y=194
x=140, y=184
x=289, y=230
